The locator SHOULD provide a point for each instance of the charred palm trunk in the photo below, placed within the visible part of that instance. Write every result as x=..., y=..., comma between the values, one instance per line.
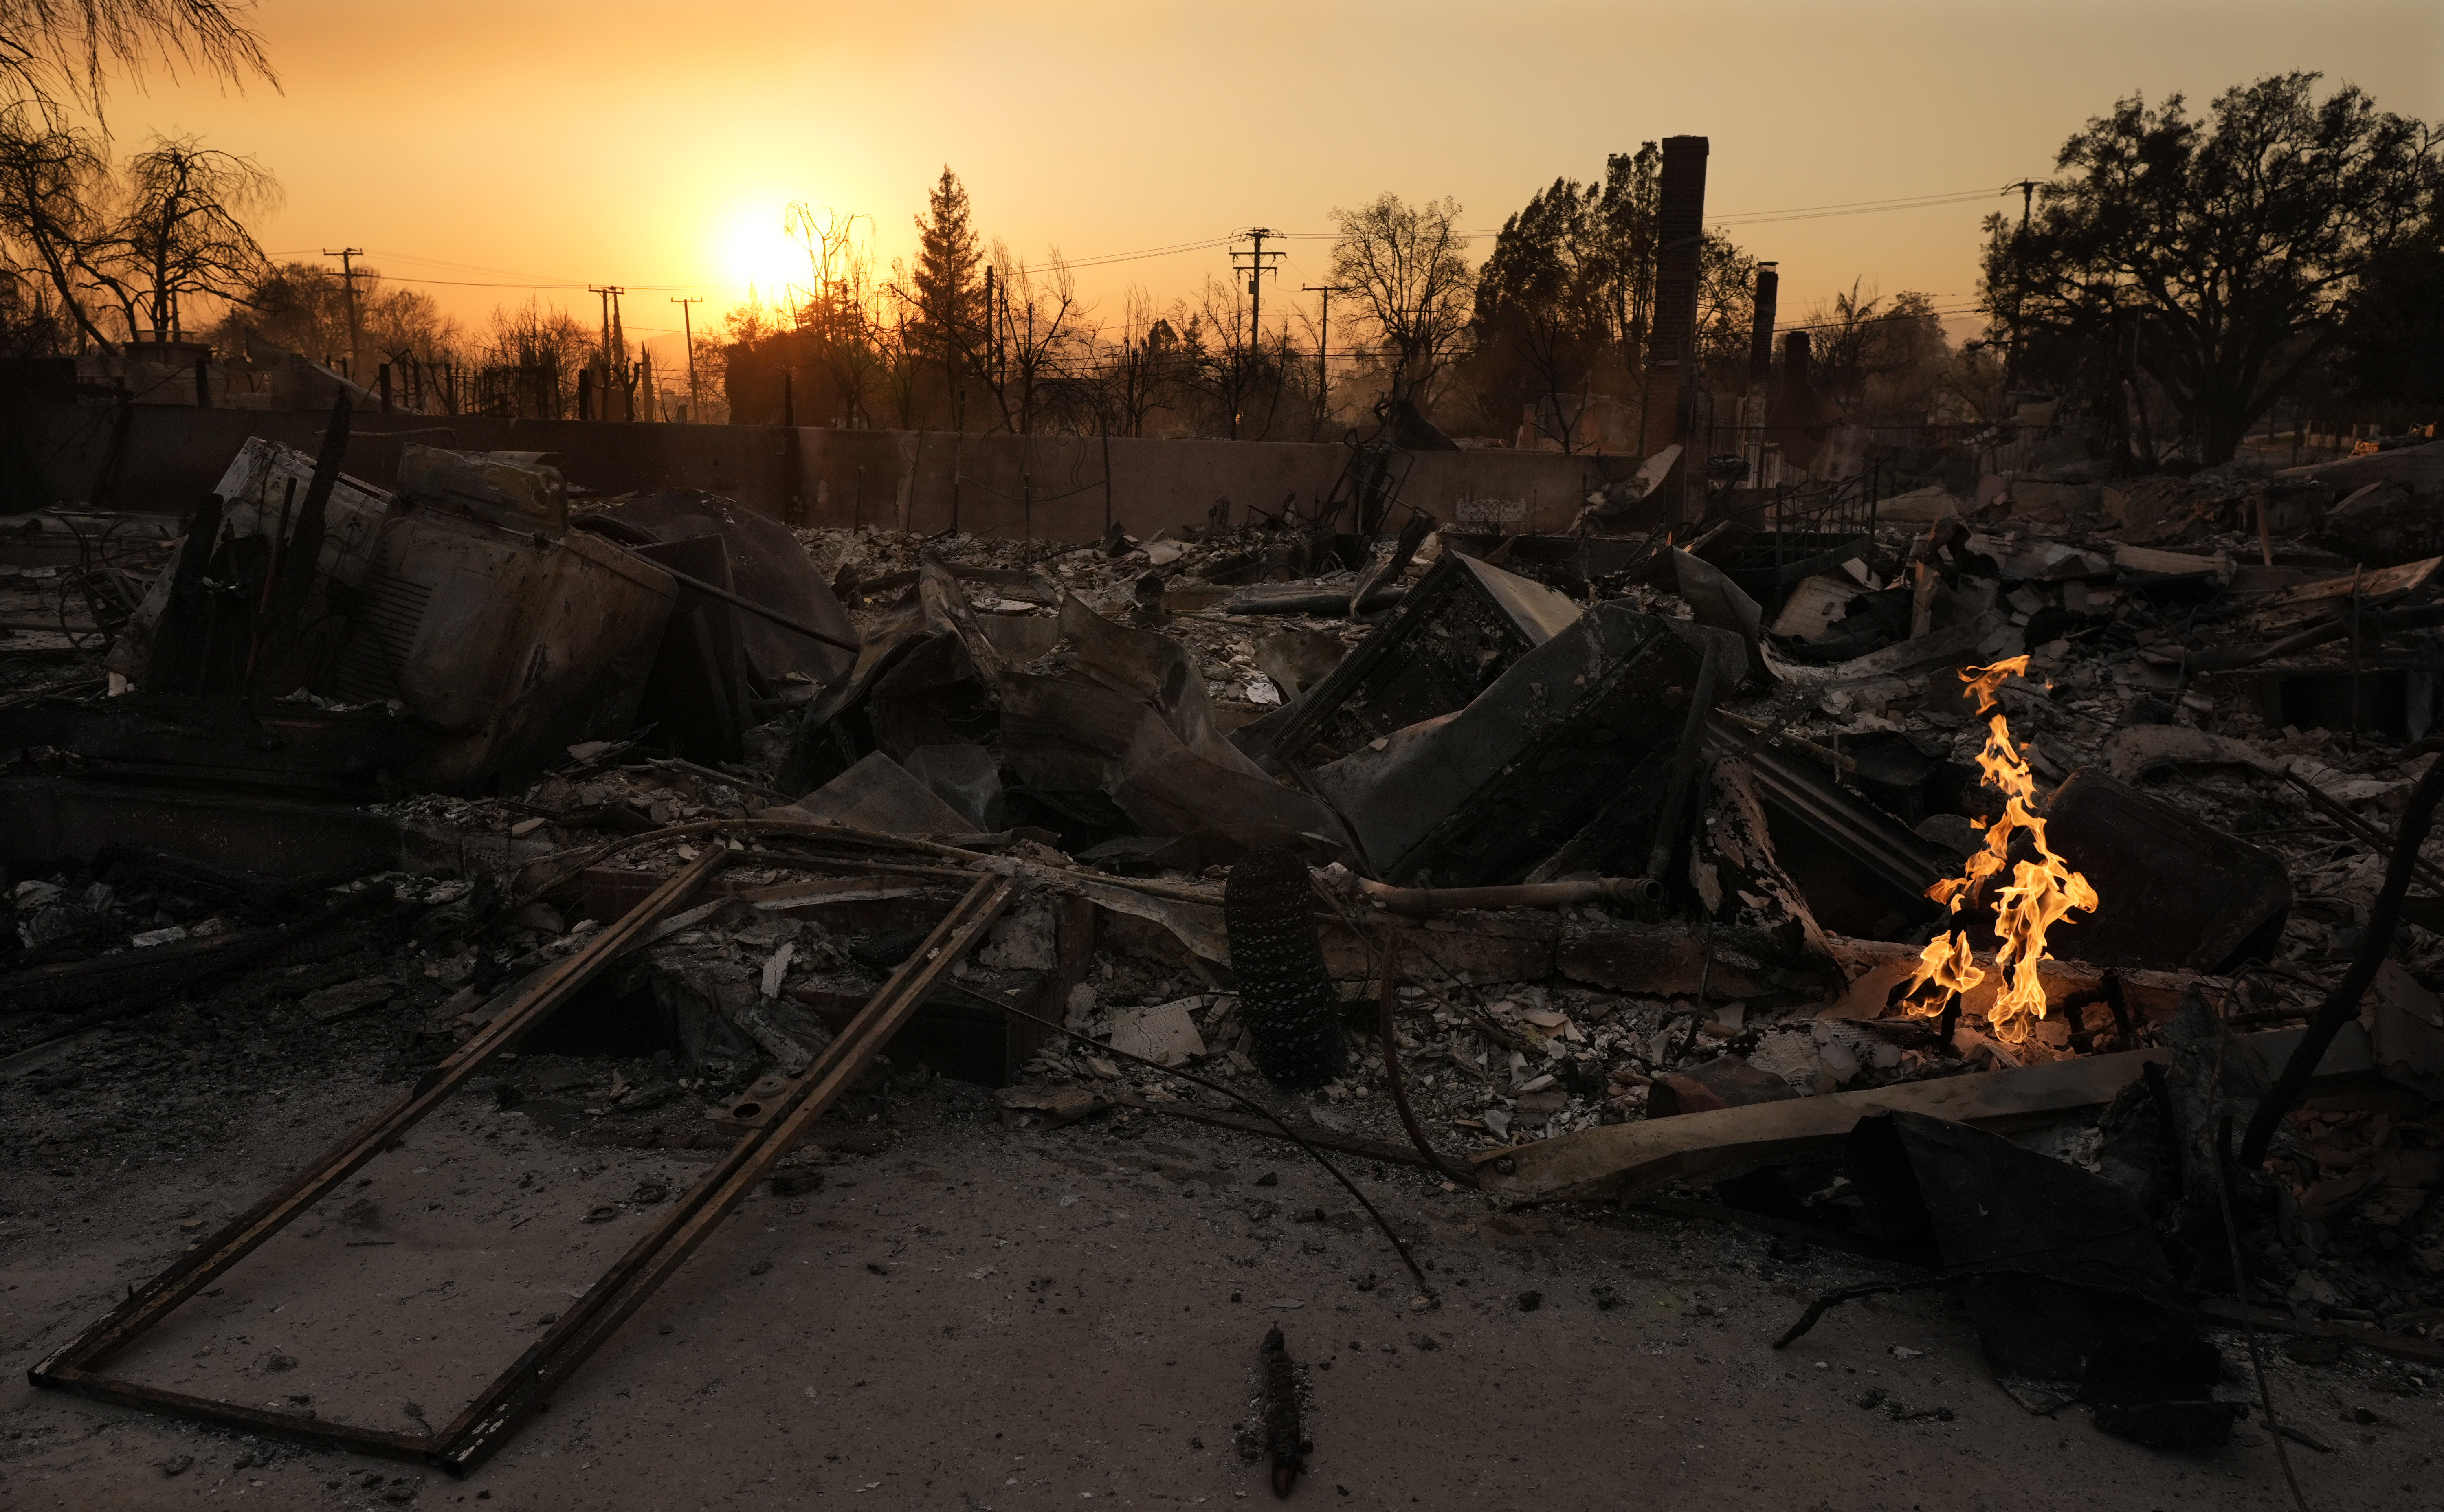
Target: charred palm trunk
x=1284, y=992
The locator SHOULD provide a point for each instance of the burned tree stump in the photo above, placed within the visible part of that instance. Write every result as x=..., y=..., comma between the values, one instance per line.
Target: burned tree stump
x=1284, y=994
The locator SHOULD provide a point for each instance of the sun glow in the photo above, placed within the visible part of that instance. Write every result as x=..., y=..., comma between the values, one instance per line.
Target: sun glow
x=753, y=251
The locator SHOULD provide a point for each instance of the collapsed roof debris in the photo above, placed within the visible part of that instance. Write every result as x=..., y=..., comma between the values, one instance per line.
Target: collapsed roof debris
x=1629, y=852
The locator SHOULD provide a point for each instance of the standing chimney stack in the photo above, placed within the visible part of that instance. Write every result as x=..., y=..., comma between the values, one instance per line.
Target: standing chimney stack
x=1680, y=235
x=1768, y=287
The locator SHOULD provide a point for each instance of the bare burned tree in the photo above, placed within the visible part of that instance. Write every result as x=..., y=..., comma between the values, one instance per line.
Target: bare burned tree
x=1412, y=285
x=182, y=236
x=1135, y=376
x=835, y=332
x=1030, y=332
x=54, y=189
x=55, y=54
x=530, y=358
x=171, y=228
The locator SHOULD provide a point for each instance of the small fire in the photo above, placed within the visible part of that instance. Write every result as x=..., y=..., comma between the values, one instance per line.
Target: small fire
x=2040, y=892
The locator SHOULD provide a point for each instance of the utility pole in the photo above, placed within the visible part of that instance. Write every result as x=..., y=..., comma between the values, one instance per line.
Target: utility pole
x=347, y=256
x=992, y=332
x=1323, y=341
x=627, y=375
x=687, y=333
x=610, y=292
x=2027, y=188
x=1257, y=268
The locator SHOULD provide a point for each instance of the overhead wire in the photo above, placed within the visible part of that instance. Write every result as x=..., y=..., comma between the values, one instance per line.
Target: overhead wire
x=1730, y=218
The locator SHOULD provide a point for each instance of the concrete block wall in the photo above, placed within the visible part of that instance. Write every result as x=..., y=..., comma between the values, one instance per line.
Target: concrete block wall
x=1051, y=487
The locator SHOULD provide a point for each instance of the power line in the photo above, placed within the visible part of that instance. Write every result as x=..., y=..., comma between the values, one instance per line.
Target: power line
x=538, y=284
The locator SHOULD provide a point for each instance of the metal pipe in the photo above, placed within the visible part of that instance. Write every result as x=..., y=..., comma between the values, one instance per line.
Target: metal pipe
x=1684, y=772
x=2343, y=1001
x=2377, y=840
x=734, y=601
x=1522, y=895
x=1782, y=737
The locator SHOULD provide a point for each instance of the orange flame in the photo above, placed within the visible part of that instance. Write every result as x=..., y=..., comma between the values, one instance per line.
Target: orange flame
x=2039, y=894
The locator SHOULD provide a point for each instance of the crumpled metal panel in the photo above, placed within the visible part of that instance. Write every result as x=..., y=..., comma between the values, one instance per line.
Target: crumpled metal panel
x=1130, y=718
x=2173, y=891
x=1457, y=631
x=767, y=565
x=522, y=490
x=1868, y=836
x=509, y=646
x=261, y=492
x=1480, y=795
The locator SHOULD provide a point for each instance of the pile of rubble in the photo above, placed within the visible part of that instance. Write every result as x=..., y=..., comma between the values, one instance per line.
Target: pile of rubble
x=1572, y=868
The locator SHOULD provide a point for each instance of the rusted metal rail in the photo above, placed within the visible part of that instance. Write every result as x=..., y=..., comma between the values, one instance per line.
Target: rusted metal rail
x=486, y=1424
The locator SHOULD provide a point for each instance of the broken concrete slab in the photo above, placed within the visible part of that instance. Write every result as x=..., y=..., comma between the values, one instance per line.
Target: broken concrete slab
x=1165, y=1035
x=1816, y=605
x=1027, y=938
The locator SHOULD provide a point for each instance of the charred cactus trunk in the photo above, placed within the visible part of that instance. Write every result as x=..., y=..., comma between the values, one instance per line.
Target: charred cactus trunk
x=1284, y=993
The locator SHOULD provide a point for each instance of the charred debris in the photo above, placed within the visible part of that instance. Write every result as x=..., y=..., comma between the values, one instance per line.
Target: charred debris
x=1822, y=864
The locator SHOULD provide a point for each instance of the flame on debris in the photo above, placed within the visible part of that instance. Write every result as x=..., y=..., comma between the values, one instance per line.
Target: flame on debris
x=2040, y=892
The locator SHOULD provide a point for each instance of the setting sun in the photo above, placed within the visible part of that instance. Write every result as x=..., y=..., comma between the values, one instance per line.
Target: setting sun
x=755, y=255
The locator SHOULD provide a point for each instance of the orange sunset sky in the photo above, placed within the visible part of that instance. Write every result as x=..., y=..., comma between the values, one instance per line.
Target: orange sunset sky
x=546, y=145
